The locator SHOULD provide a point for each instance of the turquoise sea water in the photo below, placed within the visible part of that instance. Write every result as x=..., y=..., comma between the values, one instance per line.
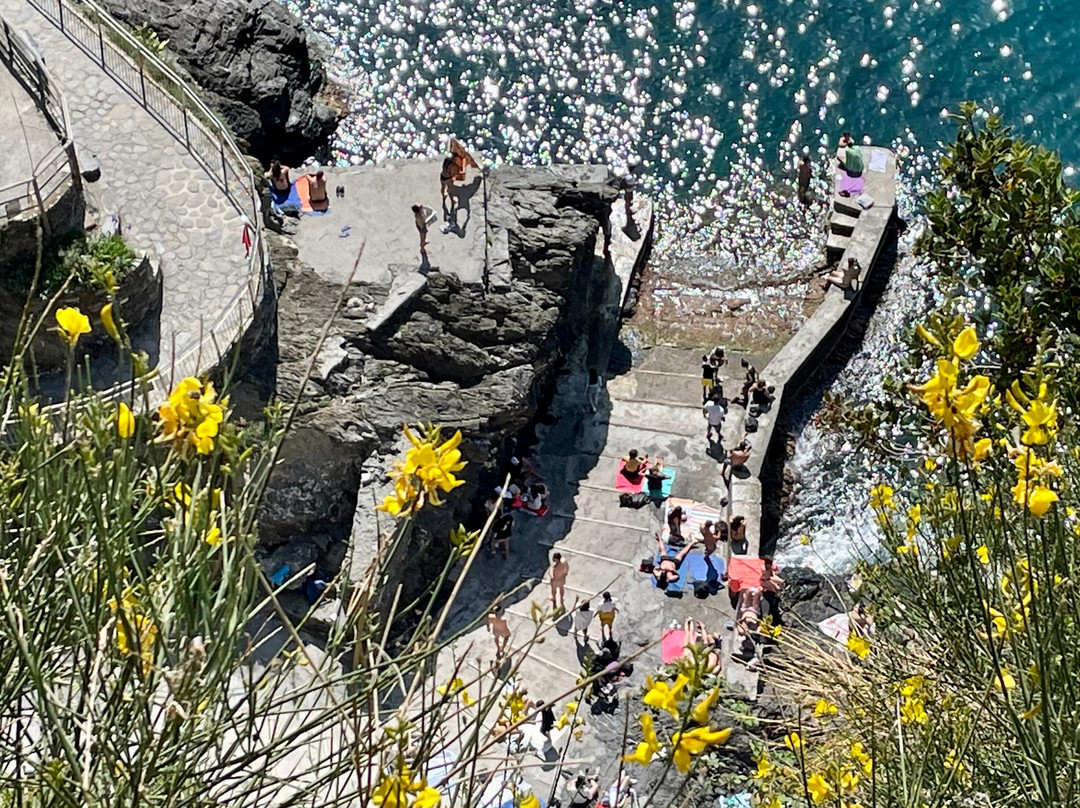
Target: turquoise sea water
x=716, y=100
x=689, y=88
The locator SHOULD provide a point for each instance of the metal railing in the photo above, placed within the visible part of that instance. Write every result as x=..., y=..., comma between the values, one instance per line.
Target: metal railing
x=54, y=172
x=178, y=108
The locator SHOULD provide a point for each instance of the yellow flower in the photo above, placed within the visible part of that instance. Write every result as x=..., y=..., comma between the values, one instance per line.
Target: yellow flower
x=913, y=711
x=1040, y=499
x=213, y=536
x=456, y=687
x=648, y=747
x=192, y=416
x=966, y=344
x=824, y=707
x=1005, y=680
x=430, y=798
x=793, y=741
x=881, y=498
x=1039, y=416
x=109, y=322
x=983, y=447
x=774, y=802
x=920, y=329
x=72, y=324
x=700, y=713
x=983, y=554
x=859, y=646
x=767, y=628
x=665, y=697
x=394, y=790
x=403, y=501
x=805, y=540
x=125, y=421
x=688, y=744
x=129, y=617
x=433, y=463
x=819, y=788
x=915, y=514
x=955, y=766
x=1034, y=711
x=849, y=781
x=764, y=767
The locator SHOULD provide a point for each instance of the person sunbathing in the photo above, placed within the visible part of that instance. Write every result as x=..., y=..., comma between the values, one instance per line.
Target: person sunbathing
x=655, y=477
x=737, y=531
x=667, y=571
x=696, y=633
x=675, y=522
x=634, y=466
x=843, y=279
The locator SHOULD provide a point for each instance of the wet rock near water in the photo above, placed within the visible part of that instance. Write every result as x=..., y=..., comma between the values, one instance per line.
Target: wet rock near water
x=255, y=65
x=811, y=596
x=451, y=354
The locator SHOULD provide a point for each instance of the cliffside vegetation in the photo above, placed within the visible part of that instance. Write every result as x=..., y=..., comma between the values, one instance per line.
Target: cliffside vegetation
x=965, y=692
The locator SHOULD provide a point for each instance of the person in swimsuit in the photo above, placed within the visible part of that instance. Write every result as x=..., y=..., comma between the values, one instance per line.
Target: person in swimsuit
x=675, y=522
x=501, y=530
x=420, y=216
x=696, y=633
x=737, y=532
x=279, y=176
x=806, y=174
x=560, y=568
x=709, y=537
x=446, y=181
x=667, y=571
x=634, y=466
x=317, y=195
x=497, y=625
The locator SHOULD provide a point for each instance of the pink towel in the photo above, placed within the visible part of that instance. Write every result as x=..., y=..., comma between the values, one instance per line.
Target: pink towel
x=672, y=644
x=623, y=484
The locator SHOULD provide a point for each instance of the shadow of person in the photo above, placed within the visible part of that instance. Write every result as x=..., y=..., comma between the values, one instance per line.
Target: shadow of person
x=463, y=195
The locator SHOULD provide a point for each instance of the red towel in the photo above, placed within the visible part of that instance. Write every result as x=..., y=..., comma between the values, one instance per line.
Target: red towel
x=672, y=644
x=624, y=484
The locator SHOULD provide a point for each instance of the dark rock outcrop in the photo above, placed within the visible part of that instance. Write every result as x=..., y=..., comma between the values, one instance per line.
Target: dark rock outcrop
x=255, y=66
x=452, y=354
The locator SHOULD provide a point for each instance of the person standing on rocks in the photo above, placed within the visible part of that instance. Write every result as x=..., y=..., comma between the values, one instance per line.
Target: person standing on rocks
x=497, y=625
x=560, y=568
x=421, y=214
x=446, y=182
x=806, y=174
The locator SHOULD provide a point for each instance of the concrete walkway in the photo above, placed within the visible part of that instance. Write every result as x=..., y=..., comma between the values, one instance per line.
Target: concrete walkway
x=28, y=137
x=168, y=206
x=655, y=407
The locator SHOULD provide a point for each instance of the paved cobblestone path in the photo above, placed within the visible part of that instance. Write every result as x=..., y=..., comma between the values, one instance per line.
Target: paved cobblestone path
x=168, y=206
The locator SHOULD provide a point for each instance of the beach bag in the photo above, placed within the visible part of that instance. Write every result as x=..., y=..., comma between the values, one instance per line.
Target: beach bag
x=701, y=589
x=647, y=565
x=750, y=424
x=638, y=500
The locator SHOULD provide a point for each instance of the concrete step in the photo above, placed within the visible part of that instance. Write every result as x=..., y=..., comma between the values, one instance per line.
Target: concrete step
x=836, y=246
x=846, y=205
x=842, y=224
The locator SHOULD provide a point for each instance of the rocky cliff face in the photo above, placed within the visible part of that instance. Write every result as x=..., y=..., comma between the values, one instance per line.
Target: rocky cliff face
x=453, y=355
x=254, y=64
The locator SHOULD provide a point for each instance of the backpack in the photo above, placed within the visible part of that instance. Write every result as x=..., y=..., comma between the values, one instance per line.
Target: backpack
x=750, y=424
x=638, y=500
x=701, y=589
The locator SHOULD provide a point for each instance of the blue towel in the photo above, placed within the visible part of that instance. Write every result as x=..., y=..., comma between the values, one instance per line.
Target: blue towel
x=695, y=568
x=664, y=491
x=279, y=200
x=674, y=588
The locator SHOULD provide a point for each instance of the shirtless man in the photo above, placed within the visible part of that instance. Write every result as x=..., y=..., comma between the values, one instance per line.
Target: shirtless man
x=667, y=571
x=497, y=626
x=560, y=568
x=709, y=537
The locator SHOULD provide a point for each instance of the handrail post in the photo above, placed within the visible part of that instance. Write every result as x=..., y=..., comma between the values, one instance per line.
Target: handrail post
x=187, y=135
x=142, y=82
x=60, y=14
x=224, y=167
x=101, y=45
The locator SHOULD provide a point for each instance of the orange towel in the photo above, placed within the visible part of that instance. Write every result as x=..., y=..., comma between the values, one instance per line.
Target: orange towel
x=304, y=192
